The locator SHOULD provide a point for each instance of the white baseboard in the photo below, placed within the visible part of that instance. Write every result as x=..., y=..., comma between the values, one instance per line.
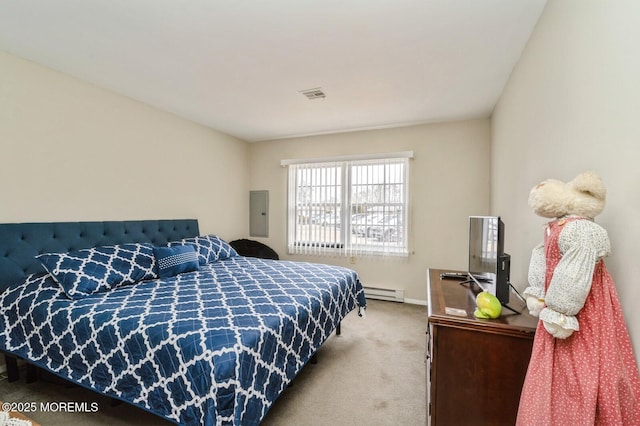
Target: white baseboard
x=412, y=301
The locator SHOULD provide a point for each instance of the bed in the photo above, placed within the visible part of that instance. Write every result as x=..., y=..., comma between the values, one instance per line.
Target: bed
x=156, y=315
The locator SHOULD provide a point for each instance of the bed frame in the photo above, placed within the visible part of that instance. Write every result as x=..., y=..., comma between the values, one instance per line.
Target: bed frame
x=21, y=242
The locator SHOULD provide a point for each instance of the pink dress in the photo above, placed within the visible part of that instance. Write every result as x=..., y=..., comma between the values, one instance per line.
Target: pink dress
x=590, y=378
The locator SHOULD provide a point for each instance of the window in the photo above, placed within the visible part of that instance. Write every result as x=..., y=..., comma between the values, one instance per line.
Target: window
x=349, y=207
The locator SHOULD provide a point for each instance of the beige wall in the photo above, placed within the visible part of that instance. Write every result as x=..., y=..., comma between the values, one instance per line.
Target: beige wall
x=71, y=151
x=573, y=104
x=449, y=181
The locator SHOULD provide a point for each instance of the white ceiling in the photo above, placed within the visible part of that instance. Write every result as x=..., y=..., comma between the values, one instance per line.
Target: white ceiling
x=238, y=65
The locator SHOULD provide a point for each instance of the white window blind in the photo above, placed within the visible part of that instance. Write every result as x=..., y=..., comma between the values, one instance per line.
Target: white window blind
x=349, y=207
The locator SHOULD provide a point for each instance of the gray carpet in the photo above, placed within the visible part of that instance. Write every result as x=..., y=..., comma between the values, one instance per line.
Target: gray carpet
x=372, y=374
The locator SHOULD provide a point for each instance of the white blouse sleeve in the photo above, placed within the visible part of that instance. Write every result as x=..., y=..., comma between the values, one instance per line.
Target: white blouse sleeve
x=582, y=244
x=537, y=270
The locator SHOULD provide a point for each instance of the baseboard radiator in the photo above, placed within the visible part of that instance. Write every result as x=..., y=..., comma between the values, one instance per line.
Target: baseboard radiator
x=384, y=294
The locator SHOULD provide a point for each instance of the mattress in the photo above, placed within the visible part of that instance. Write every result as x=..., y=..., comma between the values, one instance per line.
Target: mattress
x=211, y=347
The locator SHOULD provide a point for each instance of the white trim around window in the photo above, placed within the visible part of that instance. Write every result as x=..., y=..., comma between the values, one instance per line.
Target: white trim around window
x=378, y=156
x=349, y=206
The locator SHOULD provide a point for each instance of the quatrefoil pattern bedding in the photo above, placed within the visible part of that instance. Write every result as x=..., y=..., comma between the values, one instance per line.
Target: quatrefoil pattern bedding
x=98, y=269
x=210, y=248
x=211, y=347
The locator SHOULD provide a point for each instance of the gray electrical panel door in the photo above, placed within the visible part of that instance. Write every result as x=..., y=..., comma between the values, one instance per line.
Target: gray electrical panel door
x=259, y=213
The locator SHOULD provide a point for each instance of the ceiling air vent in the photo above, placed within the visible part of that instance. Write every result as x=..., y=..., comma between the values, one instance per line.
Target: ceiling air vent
x=316, y=93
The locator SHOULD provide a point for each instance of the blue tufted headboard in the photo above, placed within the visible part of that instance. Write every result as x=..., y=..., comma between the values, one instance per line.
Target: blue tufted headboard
x=21, y=242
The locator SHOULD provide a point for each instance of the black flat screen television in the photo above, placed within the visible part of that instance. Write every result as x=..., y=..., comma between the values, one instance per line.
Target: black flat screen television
x=489, y=265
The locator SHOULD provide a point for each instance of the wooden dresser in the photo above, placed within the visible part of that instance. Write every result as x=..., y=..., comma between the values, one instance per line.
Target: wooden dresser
x=475, y=368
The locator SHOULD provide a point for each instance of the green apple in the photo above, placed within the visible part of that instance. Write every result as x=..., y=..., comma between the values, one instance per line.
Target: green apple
x=487, y=306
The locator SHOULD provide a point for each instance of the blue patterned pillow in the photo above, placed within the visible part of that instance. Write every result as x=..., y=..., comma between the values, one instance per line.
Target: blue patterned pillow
x=175, y=260
x=210, y=248
x=84, y=272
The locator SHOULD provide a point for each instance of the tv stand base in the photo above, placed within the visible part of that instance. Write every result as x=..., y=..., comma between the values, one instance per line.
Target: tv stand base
x=510, y=308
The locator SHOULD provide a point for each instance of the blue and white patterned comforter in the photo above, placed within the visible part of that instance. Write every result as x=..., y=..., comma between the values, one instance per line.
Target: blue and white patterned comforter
x=216, y=346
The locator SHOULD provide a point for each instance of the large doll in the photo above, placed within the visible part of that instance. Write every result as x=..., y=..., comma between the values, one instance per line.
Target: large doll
x=582, y=369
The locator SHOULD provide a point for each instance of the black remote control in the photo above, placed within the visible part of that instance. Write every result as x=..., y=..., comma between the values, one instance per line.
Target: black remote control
x=454, y=276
